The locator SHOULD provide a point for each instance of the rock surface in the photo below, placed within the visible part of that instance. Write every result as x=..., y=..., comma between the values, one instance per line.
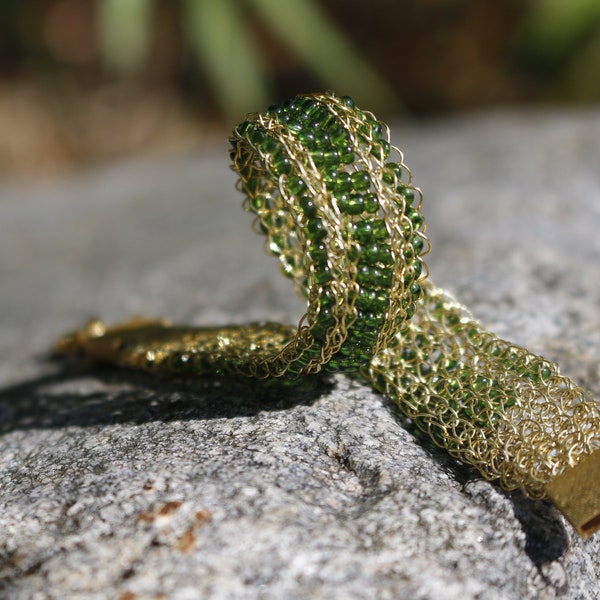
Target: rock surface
x=120, y=485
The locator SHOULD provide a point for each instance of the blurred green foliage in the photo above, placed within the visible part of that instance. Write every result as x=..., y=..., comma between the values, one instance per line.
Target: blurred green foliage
x=434, y=55
x=221, y=37
x=83, y=81
x=124, y=34
x=560, y=40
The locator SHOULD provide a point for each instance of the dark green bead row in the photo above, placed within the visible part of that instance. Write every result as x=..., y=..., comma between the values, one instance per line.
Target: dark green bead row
x=330, y=147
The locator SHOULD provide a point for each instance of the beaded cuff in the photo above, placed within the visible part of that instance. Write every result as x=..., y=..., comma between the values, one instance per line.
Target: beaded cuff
x=328, y=190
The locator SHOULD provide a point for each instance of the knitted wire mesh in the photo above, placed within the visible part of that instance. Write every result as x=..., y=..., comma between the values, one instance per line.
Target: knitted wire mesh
x=490, y=403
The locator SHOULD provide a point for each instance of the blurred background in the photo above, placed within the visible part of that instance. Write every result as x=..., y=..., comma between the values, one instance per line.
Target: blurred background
x=86, y=81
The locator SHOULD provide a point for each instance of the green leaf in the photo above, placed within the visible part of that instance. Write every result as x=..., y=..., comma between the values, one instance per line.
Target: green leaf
x=221, y=39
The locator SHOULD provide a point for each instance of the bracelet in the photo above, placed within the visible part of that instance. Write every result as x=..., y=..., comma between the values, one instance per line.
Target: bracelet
x=338, y=208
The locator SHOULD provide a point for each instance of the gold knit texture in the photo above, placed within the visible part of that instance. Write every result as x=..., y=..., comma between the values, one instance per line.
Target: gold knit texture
x=337, y=205
x=489, y=403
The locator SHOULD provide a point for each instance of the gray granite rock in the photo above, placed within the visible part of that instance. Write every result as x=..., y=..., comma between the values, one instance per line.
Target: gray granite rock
x=120, y=485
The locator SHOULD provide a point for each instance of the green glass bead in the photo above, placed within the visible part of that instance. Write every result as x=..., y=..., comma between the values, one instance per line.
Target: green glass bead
x=344, y=364
x=340, y=139
x=308, y=108
x=251, y=185
x=352, y=205
x=346, y=350
x=408, y=193
x=371, y=230
x=392, y=173
x=256, y=137
x=306, y=137
x=276, y=244
x=289, y=106
x=294, y=126
x=295, y=185
x=318, y=252
x=330, y=123
x=316, y=230
x=372, y=299
x=274, y=110
x=344, y=146
x=281, y=219
x=315, y=125
x=308, y=207
x=343, y=182
x=417, y=269
x=381, y=149
x=373, y=276
x=361, y=181
x=331, y=157
x=380, y=231
x=281, y=165
x=378, y=253
x=322, y=140
x=325, y=319
x=406, y=225
x=329, y=177
x=268, y=146
x=243, y=128
x=371, y=204
x=370, y=323
x=451, y=364
x=377, y=130
x=452, y=319
x=327, y=298
x=323, y=275
x=259, y=203
x=318, y=115
x=415, y=217
x=416, y=291
x=418, y=243
x=480, y=383
x=348, y=102
x=317, y=156
x=325, y=157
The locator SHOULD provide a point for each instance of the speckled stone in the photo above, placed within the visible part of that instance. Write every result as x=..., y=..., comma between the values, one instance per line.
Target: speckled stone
x=117, y=485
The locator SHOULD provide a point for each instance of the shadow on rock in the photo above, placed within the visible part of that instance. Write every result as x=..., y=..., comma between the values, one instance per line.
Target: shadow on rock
x=98, y=396
x=546, y=537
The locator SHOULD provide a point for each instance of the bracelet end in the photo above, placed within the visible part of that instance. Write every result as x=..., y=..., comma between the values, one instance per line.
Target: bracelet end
x=576, y=493
x=100, y=342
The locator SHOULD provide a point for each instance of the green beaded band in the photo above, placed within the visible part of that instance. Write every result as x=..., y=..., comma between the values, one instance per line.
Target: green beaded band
x=337, y=205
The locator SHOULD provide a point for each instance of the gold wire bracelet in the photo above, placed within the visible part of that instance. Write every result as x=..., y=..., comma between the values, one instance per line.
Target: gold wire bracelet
x=339, y=210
